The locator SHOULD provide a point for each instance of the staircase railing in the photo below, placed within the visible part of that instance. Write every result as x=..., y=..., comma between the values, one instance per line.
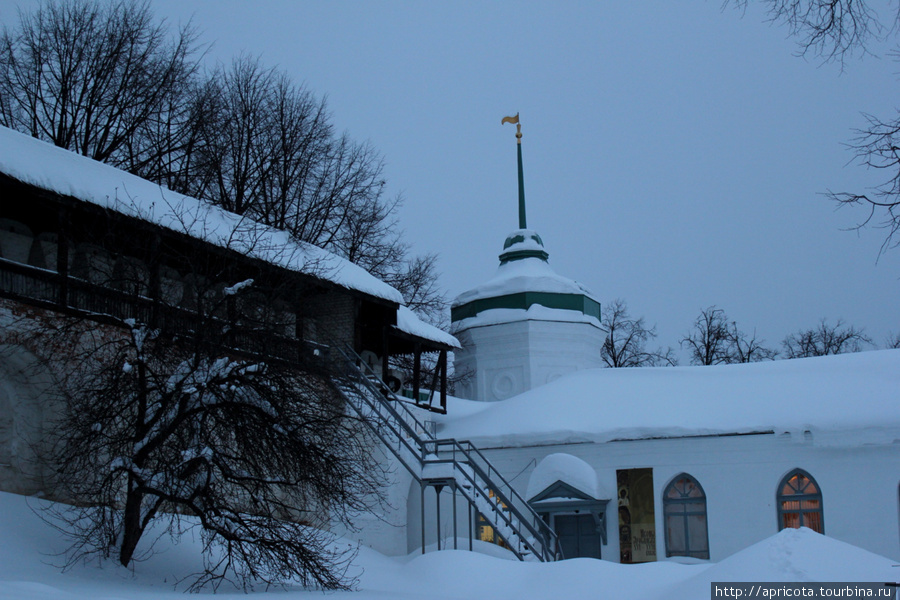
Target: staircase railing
x=425, y=457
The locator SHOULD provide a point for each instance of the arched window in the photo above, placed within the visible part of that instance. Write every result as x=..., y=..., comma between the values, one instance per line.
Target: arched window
x=684, y=507
x=800, y=502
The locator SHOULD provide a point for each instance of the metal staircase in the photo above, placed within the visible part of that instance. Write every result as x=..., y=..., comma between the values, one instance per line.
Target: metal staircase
x=440, y=463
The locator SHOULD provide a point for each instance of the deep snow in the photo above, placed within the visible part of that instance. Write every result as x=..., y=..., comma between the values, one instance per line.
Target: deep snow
x=29, y=551
x=843, y=400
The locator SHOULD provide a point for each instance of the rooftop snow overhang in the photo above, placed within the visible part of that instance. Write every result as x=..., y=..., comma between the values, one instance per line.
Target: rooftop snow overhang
x=410, y=328
x=525, y=300
x=524, y=279
x=74, y=178
x=848, y=400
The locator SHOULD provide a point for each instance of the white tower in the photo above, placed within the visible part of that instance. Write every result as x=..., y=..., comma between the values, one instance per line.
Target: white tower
x=527, y=325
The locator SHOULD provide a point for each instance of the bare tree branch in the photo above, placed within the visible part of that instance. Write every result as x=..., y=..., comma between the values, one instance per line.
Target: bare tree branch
x=825, y=339
x=626, y=340
x=878, y=147
x=88, y=76
x=835, y=30
x=714, y=341
x=831, y=29
x=892, y=341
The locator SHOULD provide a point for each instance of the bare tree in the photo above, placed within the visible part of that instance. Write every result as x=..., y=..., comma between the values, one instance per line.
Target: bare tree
x=832, y=29
x=825, y=339
x=260, y=141
x=627, y=338
x=893, y=341
x=106, y=80
x=211, y=419
x=709, y=340
x=745, y=348
x=267, y=150
x=88, y=76
x=836, y=30
x=714, y=341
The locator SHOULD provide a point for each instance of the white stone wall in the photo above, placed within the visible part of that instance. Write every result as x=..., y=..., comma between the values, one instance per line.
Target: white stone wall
x=383, y=529
x=24, y=414
x=506, y=359
x=740, y=476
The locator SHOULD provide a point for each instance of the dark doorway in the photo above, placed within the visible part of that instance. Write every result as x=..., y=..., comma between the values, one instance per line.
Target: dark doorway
x=578, y=535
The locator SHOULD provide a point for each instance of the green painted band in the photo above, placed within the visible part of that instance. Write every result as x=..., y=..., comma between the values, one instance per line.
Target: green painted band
x=525, y=300
x=520, y=254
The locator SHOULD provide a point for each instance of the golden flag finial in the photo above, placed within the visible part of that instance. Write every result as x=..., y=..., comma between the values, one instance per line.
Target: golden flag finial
x=518, y=125
x=515, y=119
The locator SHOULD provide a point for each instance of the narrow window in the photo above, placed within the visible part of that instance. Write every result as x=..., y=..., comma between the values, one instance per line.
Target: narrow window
x=485, y=531
x=684, y=506
x=800, y=502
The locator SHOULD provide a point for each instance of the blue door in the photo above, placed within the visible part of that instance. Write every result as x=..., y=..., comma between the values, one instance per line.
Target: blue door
x=578, y=535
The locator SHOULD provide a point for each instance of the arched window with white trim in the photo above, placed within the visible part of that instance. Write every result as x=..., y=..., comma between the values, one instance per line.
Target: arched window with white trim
x=800, y=502
x=684, y=507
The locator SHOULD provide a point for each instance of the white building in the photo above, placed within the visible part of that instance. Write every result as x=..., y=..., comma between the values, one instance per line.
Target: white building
x=631, y=465
x=703, y=461
x=689, y=463
x=524, y=327
x=83, y=239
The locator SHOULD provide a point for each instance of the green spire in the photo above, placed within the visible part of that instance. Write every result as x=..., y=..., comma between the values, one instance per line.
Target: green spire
x=522, y=221
x=522, y=224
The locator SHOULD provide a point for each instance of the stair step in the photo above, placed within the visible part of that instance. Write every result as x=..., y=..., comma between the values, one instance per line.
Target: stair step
x=397, y=420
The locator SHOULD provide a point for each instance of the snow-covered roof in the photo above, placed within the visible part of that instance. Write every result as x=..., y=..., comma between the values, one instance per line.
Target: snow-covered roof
x=408, y=322
x=521, y=243
x=524, y=280
x=535, y=312
x=45, y=166
x=849, y=399
x=567, y=469
x=525, y=275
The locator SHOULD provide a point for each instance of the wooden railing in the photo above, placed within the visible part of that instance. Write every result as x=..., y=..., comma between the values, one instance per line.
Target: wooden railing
x=74, y=296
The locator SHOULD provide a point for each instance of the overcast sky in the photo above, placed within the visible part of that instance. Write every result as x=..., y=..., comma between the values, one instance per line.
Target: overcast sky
x=675, y=153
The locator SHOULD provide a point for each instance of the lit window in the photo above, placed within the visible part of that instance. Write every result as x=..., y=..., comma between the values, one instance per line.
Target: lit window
x=485, y=531
x=684, y=506
x=800, y=502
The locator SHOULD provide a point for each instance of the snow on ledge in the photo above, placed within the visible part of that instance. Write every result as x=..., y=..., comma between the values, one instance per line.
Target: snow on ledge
x=408, y=322
x=45, y=166
x=526, y=275
x=567, y=469
x=842, y=401
x=535, y=312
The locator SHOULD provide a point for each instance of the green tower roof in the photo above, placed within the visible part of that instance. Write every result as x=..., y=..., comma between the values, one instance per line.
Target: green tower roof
x=524, y=279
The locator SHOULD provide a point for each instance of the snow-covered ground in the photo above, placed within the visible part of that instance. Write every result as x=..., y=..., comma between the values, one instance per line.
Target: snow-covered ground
x=29, y=551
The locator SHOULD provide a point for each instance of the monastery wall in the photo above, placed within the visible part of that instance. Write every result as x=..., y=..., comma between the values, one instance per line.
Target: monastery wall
x=740, y=475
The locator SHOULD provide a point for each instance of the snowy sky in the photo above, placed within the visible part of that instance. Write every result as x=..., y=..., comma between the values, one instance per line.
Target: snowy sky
x=675, y=153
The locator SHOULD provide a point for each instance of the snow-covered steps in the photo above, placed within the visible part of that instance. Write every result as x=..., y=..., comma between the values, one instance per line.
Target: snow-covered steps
x=441, y=463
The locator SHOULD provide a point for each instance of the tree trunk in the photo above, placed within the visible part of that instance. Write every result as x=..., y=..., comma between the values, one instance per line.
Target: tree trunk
x=131, y=525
